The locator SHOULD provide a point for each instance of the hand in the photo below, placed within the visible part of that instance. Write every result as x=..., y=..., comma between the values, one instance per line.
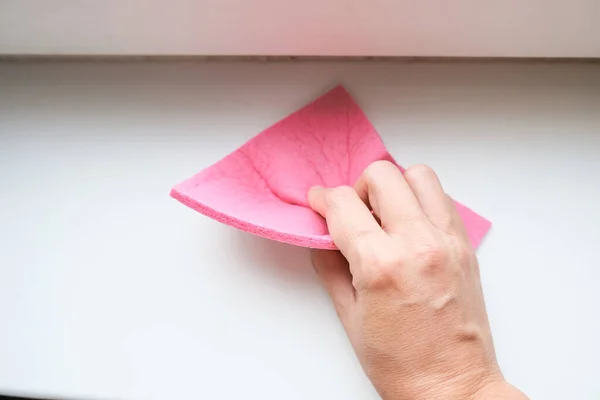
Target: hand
x=406, y=287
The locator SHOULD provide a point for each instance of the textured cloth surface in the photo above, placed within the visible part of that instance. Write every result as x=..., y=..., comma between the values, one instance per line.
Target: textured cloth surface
x=261, y=188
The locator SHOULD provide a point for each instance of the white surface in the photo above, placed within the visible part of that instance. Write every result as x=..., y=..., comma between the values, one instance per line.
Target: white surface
x=492, y=28
x=110, y=289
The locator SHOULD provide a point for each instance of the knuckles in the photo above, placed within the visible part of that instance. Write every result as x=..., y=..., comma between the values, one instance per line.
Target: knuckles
x=431, y=254
x=338, y=195
x=463, y=254
x=377, y=168
x=419, y=172
x=383, y=269
x=429, y=257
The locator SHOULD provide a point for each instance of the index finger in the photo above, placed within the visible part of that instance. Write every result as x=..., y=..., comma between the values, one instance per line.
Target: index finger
x=351, y=224
x=385, y=188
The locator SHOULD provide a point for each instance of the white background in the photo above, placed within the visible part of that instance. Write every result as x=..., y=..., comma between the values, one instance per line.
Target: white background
x=472, y=28
x=110, y=289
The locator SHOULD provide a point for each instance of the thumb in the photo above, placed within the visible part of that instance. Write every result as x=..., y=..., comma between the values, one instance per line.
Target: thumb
x=332, y=269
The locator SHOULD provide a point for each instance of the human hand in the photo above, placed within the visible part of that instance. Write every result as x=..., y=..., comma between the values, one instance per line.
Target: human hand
x=406, y=287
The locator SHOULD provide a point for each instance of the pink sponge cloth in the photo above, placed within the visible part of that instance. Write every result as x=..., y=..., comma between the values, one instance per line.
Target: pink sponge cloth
x=261, y=188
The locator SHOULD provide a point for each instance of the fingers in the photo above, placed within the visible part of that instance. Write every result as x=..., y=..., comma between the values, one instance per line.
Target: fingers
x=431, y=196
x=436, y=204
x=332, y=269
x=384, y=188
x=350, y=223
x=458, y=225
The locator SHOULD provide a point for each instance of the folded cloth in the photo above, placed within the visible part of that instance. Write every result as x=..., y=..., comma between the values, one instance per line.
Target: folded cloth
x=261, y=188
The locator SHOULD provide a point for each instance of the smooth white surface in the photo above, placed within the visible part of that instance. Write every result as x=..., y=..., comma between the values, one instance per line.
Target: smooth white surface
x=471, y=28
x=110, y=289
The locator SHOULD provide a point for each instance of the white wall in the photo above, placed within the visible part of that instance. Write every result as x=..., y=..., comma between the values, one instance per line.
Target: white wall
x=499, y=28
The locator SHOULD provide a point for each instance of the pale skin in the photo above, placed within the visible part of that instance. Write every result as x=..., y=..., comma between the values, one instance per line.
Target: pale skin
x=406, y=287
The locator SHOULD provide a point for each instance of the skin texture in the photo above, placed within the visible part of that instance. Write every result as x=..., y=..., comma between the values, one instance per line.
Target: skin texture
x=406, y=287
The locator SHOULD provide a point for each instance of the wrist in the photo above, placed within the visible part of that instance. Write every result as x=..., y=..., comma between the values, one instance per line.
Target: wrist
x=483, y=387
x=499, y=390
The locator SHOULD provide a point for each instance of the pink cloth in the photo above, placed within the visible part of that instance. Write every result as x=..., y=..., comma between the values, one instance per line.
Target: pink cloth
x=261, y=187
